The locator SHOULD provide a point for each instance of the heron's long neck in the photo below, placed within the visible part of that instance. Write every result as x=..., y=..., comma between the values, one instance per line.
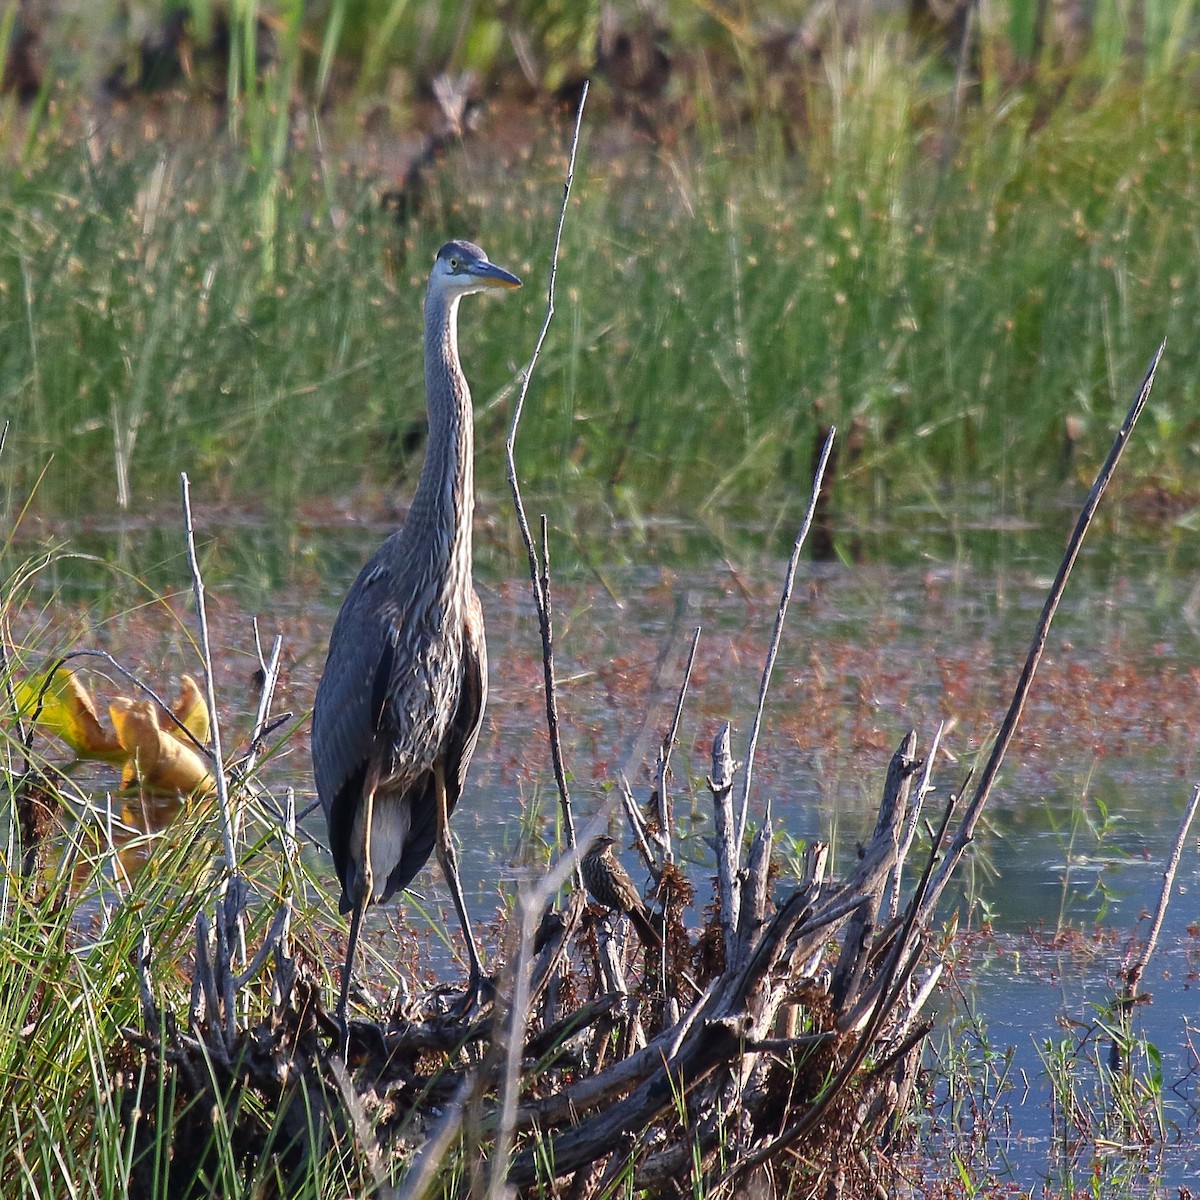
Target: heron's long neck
x=444, y=503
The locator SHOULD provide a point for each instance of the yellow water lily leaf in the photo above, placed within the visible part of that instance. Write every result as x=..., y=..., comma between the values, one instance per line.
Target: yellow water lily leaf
x=68, y=712
x=157, y=760
x=192, y=710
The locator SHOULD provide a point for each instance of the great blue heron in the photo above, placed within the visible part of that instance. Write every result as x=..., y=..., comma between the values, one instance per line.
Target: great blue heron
x=401, y=698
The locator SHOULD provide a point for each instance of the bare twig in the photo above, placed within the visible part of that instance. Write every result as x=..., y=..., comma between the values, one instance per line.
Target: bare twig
x=637, y=824
x=528, y=911
x=1133, y=976
x=633, y=752
x=536, y=572
x=665, y=808
x=777, y=633
x=270, y=673
x=966, y=829
x=285, y=970
x=231, y=932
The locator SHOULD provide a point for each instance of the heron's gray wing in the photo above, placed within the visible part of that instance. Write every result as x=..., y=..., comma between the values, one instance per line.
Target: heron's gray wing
x=472, y=700
x=457, y=749
x=351, y=697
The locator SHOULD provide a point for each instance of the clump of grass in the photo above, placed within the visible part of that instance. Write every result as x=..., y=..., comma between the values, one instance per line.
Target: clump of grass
x=76, y=1095
x=98, y=954
x=1109, y=1123
x=99, y=897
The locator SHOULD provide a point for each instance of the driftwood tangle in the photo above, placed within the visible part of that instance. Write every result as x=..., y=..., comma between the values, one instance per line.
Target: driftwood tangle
x=781, y=1009
x=769, y=1044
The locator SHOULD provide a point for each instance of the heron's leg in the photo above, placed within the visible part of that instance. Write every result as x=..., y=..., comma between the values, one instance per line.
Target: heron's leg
x=366, y=887
x=448, y=860
x=343, y=999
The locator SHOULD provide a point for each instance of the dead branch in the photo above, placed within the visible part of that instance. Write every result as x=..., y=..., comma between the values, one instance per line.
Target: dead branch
x=777, y=632
x=231, y=932
x=666, y=816
x=1008, y=728
x=540, y=597
x=1133, y=975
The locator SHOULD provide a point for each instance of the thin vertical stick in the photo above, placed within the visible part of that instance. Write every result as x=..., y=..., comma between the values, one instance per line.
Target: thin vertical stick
x=536, y=572
x=270, y=670
x=227, y=821
x=546, y=622
x=284, y=969
x=1133, y=976
x=637, y=824
x=665, y=807
x=1008, y=728
x=528, y=907
x=777, y=633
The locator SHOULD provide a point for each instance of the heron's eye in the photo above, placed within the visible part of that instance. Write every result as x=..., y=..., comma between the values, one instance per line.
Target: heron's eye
x=454, y=264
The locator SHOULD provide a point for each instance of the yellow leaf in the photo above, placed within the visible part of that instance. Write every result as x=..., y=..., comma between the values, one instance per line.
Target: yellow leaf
x=192, y=710
x=159, y=761
x=67, y=712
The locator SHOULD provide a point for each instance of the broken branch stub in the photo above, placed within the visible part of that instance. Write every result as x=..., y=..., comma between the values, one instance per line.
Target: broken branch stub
x=724, y=843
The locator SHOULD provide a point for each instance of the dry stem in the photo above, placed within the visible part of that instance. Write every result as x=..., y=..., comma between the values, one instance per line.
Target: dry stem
x=540, y=592
x=777, y=632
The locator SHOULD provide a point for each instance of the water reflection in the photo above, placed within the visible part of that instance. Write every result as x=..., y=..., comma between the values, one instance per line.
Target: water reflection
x=107, y=822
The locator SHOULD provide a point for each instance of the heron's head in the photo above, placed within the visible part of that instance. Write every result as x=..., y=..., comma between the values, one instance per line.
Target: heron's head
x=462, y=268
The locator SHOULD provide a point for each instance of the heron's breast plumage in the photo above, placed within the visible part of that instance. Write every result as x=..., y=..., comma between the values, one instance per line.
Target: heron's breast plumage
x=423, y=693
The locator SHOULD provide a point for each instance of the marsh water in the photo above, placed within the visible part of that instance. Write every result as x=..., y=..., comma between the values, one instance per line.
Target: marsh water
x=930, y=624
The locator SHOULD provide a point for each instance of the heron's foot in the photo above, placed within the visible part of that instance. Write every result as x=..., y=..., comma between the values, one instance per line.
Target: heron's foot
x=480, y=993
x=363, y=1042
x=343, y=1033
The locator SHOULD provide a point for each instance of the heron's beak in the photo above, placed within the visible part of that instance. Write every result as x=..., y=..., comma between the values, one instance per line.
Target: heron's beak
x=492, y=276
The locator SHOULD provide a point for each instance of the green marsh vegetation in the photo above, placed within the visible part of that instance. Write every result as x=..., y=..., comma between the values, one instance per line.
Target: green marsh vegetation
x=952, y=284
x=963, y=290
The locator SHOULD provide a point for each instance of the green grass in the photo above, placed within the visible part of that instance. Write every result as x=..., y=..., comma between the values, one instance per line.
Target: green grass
x=255, y=320
x=68, y=984
x=73, y=932
x=69, y=1077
